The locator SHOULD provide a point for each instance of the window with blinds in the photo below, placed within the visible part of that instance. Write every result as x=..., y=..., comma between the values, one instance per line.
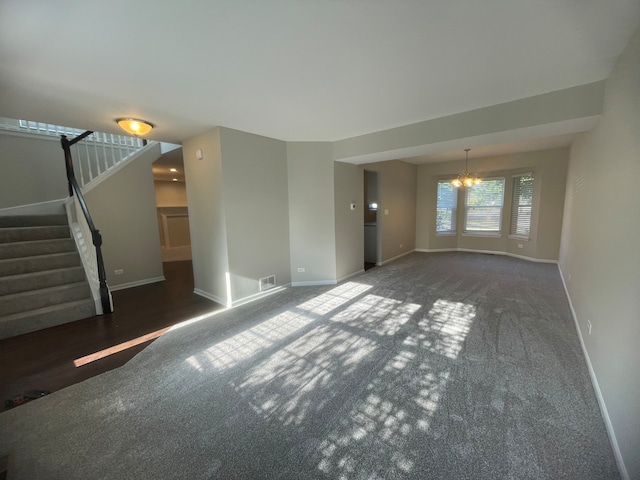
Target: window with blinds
x=521, y=205
x=483, y=207
x=446, y=208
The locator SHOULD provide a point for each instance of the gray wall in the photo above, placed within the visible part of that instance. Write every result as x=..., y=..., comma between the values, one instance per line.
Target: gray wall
x=396, y=215
x=549, y=169
x=349, y=243
x=207, y=224
x=33, y=170
x=255, y=192
x=311, y=212
x=599, y=256
x=123, y=208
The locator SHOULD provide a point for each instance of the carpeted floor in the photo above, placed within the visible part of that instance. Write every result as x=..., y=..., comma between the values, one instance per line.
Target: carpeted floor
x=436, y=366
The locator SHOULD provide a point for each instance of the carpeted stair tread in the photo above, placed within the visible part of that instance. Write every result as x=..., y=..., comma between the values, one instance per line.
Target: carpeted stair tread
x=32, y=220
x=36, y=247
x=25, y=234
x=16, y=266
x=44, y=297
x=33, y=320
x=38, y=280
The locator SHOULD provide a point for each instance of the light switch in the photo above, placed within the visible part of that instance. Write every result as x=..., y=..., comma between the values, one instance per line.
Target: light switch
x=199, y=154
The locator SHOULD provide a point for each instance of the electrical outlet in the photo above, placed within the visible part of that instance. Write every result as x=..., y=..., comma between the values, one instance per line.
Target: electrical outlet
x=519, y=245
x=589, y=325
x=300, y=269
x=120, y=271
x=401, y=245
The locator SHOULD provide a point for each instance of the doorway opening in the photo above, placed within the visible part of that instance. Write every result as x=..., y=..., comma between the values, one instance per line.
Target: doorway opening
x=371, y=220
x=171, y=206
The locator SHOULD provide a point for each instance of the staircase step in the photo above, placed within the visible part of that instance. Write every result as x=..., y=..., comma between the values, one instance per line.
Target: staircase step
x=36, y=247
x=33, y=320
x=16, y=266
x=38, y=280
x=32, y=220
x=26, y=234
x=45, y=297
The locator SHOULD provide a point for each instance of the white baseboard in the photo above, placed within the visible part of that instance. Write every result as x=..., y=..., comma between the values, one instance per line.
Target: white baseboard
x=594, y=381
x=137, y=283
x=389, y=260
x=342, y=279
x=210, y=296
x=313, y=283
x=240, y=301
x=490, y=252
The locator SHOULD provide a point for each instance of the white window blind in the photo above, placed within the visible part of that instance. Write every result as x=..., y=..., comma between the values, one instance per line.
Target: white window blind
x=483, y=207
x=446, y=207
x=521, y=205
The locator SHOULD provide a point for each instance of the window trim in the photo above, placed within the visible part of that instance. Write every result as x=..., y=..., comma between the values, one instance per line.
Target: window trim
x=484, y=233
x=513, y=220
x=454, y=213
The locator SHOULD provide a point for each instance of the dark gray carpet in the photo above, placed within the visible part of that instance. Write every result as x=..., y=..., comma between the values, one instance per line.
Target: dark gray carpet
x=437, y=366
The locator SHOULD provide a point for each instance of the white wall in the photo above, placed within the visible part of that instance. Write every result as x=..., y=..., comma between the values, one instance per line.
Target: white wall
x=255, y=192
x=349, y=244
x=599, y=256
x=170, y=194
x=123, y=208
x=311, y=212
x=396, y=215
x=33, y=170
x=207, y=224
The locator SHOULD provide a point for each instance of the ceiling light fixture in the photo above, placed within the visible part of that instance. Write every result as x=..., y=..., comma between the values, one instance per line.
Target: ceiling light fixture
x=466, y=178
x=173, y=169
x=134, y=126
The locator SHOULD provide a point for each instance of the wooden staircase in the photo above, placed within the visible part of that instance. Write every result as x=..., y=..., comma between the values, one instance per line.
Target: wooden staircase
x=42, y=281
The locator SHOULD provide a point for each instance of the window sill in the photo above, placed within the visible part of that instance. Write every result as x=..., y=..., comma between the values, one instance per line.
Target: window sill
x=446, y=234
x=482, y=234
x=519, y=237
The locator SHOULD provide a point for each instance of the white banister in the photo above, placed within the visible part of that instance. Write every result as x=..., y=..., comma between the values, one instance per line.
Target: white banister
x=106, y=150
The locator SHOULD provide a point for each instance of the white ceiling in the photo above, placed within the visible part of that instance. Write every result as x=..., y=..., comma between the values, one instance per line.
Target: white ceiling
x=311, y=70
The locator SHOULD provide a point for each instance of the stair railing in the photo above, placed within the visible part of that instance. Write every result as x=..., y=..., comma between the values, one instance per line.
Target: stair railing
x=74, y=189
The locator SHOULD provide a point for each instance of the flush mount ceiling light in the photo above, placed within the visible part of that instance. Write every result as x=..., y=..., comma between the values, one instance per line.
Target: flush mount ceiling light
x=466, y=178
x=134, y=126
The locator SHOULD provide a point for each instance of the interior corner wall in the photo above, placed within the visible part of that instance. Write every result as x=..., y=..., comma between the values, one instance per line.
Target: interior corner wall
x=550, y=170
x=255, y=193
x=123, y=208
x=33, y=170
x=599, y=257
x=207, y=225
x=349, y=224
x=311, y=212
x=396, y=215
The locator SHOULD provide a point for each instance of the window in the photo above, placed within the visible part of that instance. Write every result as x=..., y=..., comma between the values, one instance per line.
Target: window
x=446, y=207
x=483, y=207
x=521, y=205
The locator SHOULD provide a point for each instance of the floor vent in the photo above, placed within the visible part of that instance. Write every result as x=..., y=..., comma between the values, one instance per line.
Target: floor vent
x=267, y=282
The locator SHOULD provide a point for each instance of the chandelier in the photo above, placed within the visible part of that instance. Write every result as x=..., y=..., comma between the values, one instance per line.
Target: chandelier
x=466, y=178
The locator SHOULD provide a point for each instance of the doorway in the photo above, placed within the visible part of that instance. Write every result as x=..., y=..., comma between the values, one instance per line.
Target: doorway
x=171, y=205
x=371, y=220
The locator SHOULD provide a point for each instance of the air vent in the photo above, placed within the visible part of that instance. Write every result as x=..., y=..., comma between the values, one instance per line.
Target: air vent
x=267, y=282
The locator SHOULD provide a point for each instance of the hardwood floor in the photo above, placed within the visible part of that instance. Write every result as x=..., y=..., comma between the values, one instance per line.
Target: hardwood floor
x=44, y=360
